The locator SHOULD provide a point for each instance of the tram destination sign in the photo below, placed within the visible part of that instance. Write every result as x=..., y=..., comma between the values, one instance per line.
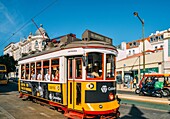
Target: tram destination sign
x=89, y=35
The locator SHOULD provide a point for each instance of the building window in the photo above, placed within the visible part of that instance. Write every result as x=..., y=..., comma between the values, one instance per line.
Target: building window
x=43, y=43
x=151, y=39
x=133, y=51
x=161, y=37
x=36, y=43
x=161, y=46
x=156, y=38
x=130, y=44
x=129, y=52
x=156, y=47
x=134, y=43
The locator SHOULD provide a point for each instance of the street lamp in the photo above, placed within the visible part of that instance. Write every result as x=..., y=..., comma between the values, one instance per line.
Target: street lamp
x=142, y=21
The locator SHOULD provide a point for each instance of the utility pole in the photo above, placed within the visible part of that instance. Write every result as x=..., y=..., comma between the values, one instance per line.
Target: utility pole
x=143, y=39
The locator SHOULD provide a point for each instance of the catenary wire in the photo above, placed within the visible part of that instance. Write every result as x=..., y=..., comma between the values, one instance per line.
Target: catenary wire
x=52, y=3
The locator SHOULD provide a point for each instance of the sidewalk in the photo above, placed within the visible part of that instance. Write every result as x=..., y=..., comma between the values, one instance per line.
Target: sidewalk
x=120, y=87
x=136, y=97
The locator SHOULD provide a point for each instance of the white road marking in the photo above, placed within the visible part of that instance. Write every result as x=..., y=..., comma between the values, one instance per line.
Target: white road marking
x=45, y=115
x=8, y=115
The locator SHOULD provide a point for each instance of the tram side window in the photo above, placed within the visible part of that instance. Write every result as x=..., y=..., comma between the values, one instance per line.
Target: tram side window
x=70, y=68
x=55, y=69
x=78, y=68
x=94, y=67
x=110, y=66
x=38, y=71
x=46, y=72
x=33, y=75
x=22, y=71
x=78, y=95
x=27, y=71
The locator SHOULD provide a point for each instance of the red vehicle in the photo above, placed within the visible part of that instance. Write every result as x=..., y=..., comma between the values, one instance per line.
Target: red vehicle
x=164, y=78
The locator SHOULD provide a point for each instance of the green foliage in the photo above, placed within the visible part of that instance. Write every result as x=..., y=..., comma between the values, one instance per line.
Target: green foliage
x=9, y=62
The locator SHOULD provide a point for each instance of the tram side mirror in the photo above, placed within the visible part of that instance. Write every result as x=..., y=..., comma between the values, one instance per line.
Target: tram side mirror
x=85, y=61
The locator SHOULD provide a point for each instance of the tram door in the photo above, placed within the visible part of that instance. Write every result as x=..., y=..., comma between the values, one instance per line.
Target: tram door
x=74, y=82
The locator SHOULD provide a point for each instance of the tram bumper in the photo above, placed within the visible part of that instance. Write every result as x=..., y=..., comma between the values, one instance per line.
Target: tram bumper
x=102, y=109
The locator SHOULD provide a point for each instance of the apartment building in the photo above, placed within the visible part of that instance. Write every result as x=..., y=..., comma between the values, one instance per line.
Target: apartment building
x=157, y=56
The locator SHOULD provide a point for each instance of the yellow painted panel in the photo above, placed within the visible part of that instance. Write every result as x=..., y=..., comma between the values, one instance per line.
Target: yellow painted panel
x=70, y=104
x=27, y=89
x=54, y=88
x=22, y=84
x=105, y=106
x=19, y=85
x=64, y=86
x=89, y=86
x=26, y=85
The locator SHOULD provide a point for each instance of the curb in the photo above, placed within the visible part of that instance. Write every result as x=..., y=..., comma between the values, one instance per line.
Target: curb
x=145, y=99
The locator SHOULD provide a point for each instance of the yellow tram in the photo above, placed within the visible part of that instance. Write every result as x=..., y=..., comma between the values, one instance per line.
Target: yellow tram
x=3, y=74
x=76, y=76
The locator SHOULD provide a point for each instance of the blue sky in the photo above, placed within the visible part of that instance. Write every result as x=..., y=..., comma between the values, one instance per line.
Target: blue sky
x=112, y=18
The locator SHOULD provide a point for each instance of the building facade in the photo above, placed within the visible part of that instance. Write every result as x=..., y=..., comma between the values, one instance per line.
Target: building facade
x=157, y=56
x=33, y=43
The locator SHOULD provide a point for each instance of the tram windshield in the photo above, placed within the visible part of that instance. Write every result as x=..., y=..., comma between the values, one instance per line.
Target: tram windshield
x=94, y=67
x=110, y=66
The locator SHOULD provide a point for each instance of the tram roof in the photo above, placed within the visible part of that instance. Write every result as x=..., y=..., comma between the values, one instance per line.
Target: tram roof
x=73, y=44
x=89, y=39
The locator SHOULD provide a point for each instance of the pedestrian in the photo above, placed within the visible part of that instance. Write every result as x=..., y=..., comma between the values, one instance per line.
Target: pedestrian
x=134, y=82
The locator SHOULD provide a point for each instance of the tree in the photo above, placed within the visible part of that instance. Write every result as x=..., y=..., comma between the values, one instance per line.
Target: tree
x=9, y=62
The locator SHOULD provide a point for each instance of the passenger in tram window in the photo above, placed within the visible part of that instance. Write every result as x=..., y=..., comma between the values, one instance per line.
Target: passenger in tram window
x=23, y=75
x=33, y=75
x=39, y=76
x=56, y=78
x=47, y=76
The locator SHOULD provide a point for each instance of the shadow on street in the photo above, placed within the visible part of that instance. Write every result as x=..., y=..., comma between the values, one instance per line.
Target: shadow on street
x=10, y=87
x=134, y=113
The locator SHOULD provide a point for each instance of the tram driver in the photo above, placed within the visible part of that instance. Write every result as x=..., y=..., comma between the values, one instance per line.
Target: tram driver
x=95, y=72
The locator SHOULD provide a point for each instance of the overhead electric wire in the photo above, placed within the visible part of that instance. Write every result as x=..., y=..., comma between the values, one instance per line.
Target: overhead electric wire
x=29, y=21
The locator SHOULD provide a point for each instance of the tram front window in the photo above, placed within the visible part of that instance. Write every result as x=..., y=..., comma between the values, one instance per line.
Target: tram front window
x=94, y=67
x=110, y=65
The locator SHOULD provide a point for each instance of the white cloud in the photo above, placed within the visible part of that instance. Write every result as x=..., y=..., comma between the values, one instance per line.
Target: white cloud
x=11, y=20
x=4, y=11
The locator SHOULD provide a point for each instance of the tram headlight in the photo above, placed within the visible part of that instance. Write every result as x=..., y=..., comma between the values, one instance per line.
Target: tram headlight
x=111, y=96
